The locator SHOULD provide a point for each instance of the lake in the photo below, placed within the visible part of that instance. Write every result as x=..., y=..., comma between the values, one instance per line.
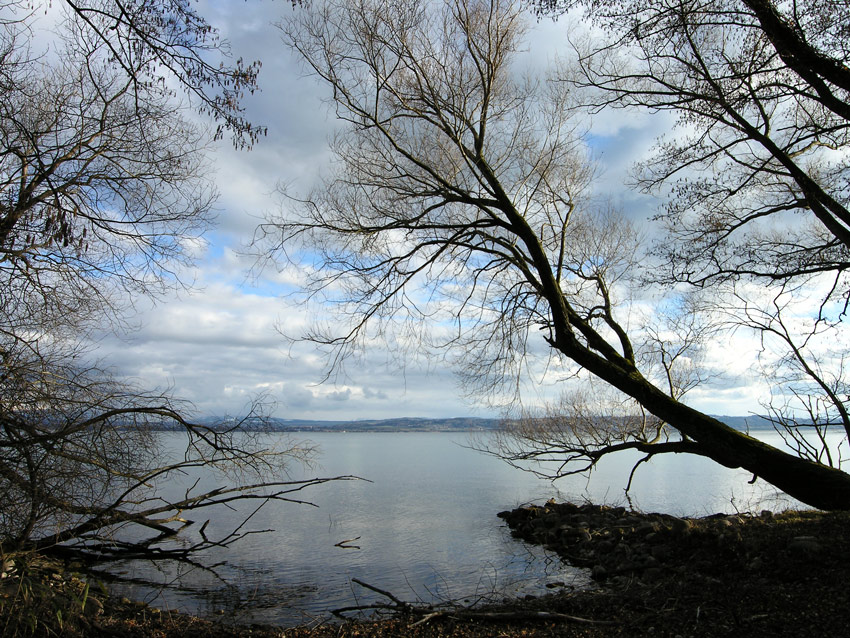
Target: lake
x=424, y=528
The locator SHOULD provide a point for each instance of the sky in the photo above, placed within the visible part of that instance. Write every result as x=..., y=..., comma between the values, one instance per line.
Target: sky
x=220, y=345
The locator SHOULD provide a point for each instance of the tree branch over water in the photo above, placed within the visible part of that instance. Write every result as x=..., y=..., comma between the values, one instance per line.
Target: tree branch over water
x=104, y=192
x=460, y=217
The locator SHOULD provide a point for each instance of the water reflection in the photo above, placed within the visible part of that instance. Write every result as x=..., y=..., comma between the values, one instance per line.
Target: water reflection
x=425, y=525
x=426, y=530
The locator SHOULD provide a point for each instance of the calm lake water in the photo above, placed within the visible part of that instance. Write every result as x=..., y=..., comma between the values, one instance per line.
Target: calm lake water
x=425, y=528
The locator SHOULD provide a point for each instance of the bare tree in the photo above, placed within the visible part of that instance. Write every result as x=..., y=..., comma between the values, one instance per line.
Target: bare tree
x=100, y=186
x=102, y=189
x=755, y=175
x=573, y=434
x=82, y=461
x=459, y=176
x=147, y=41
x=761, y=92
x=805, y=353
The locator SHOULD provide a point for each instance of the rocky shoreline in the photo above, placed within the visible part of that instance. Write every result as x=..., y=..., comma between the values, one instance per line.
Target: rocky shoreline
x=723, y=575
x=766, y=574
x=619, y=546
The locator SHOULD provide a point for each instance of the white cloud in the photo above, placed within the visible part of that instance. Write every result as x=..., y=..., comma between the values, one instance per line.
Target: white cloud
x=220, y=347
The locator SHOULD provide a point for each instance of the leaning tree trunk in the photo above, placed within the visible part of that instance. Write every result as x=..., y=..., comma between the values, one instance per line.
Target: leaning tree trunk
x=817, y=485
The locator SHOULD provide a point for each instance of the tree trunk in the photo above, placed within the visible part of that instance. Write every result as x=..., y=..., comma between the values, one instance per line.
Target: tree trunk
x=817, y=485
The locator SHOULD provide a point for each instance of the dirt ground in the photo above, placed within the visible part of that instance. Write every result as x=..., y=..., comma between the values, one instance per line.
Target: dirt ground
x=765, y=575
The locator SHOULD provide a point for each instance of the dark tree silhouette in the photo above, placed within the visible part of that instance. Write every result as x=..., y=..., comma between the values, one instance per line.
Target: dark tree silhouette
x=459, y=176
x=102, y=188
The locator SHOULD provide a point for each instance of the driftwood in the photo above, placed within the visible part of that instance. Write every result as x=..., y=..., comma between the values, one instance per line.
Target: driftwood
x=346, y=544
x=398, y=606
x=458, y=612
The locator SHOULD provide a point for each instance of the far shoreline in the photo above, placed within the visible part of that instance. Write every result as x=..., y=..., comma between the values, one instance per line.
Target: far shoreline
x=752, y=423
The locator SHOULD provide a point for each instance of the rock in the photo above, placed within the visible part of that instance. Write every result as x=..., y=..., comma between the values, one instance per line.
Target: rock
x=598, y=572
x=680, y=525
x=660, y=552
x=805, y=546
x=605, y=547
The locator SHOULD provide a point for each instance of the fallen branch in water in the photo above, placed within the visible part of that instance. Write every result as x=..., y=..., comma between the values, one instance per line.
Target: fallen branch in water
x=399, y=603
x=458, y=612
x=400, y=607
x=346, y=543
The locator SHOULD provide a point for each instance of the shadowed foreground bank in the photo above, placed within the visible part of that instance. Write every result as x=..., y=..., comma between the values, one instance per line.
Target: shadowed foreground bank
x=767, y=575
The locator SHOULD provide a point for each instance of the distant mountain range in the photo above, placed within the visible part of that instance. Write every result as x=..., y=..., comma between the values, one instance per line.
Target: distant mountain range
x=401, y=424
x=413, y=424
x=749, y=423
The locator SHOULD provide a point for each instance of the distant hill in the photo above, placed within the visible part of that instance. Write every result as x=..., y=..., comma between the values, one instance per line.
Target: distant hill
x=401, y=424
x=752, y=423
x=415, y=424
x=755, y=423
